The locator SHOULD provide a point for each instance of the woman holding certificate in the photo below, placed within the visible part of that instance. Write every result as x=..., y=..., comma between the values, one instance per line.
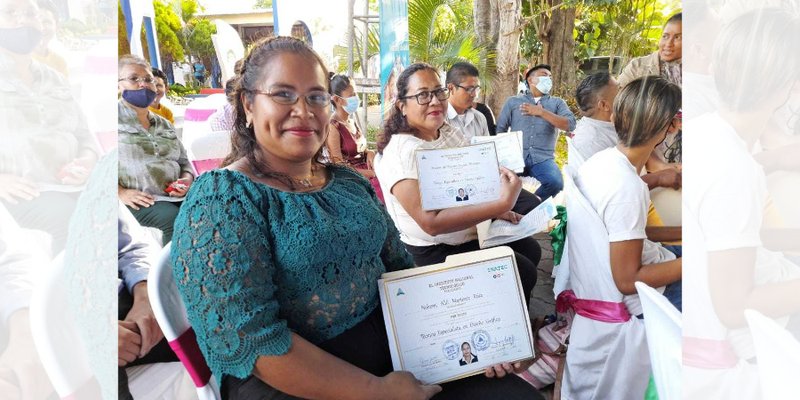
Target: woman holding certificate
x=277, y=255
x=415, y=123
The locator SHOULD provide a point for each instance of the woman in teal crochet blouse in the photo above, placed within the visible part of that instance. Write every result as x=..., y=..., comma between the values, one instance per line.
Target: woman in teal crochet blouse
x=277, y=256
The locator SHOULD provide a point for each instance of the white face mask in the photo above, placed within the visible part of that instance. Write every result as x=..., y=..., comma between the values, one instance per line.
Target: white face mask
x=545, y=84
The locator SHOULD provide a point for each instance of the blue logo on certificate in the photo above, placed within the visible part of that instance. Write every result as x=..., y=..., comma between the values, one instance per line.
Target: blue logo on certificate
x=450, y=350
x=400, y=292
x=480, y=339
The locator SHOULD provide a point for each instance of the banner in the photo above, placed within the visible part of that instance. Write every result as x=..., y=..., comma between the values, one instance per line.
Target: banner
x=394, y=47
x=229, y=48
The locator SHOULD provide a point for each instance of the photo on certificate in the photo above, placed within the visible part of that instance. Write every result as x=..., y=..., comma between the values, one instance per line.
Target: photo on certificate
x=452, y=320
x=509, y=149
x=458, y=176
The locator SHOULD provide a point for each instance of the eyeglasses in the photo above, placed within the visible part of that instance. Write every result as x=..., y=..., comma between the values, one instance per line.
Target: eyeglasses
x=139, y=79
x=470, y=90
x=426, y=97
x=315, y=98
x=17, y=15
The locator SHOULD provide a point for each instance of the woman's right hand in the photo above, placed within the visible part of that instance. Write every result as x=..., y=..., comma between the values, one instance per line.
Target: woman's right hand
x=134, y=198
x=13, y=188
x=403, y=385
x=510, y=186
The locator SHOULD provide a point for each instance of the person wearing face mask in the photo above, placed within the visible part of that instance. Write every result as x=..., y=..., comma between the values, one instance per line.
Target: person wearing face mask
x=152, y=160
x=539, y=116
x=47, y=150
x=346, y=143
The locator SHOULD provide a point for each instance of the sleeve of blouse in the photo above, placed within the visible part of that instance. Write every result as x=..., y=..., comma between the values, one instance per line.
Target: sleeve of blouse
x=394, y=254
x=223, y=267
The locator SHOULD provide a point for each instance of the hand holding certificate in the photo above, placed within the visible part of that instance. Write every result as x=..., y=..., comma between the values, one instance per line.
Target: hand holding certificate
x=458, y=176
x=452, y=320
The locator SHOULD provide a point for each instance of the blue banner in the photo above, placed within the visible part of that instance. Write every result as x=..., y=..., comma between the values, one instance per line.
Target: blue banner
x=394, y=47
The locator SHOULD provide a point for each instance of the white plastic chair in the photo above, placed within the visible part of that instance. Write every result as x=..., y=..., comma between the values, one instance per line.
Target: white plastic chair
x=778, y=355
x=170, y=313
x=60, y=348
x=662, y=324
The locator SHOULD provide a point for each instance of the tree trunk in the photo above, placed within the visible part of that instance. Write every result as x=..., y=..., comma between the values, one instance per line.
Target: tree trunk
x=509, y=12
x=559, y=47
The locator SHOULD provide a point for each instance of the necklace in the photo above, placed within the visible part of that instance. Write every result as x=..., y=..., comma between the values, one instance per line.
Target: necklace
x=306, y=181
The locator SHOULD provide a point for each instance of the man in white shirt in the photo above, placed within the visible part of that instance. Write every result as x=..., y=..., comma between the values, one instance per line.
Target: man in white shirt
x=464, y=85
x=595, y=131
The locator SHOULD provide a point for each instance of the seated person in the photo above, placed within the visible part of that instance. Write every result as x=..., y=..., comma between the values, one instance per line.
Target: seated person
x=417, y=122
x=222, y=119
x=277, y=255
x=152, y=160
x=140, y=340
x=464, y=85
x=161, y=90
x=346, y=142
x=644, y=112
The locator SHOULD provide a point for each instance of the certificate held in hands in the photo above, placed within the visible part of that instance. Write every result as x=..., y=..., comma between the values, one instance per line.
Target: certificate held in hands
x=458, y=176
x=452, y=320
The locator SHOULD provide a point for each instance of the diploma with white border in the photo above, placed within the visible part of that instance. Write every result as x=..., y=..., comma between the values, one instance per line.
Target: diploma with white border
x=458, y=176
x=452, y=320
x=509, y=149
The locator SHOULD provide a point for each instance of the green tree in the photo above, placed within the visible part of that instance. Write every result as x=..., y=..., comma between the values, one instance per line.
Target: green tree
x=440, y=32
x=168, y=29
x=262, y=4
x=198, y=40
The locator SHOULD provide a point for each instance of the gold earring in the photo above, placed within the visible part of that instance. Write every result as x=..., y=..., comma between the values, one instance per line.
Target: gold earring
x=249, y=123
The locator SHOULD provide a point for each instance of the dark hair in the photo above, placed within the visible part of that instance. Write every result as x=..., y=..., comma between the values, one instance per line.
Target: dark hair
x=396, y=122
x=675, y=18
x=644, y=108
x=230, y=89
x=243, y=139
x=338, y=84
x=537, y=67
x=460, y=71
x=757, y=43
x=160, y=74
x=466, y=343
x=237, y=67
x=588, y=90
x=49, y=6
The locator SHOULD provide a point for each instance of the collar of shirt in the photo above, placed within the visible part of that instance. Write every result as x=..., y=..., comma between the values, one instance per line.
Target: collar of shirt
x=452, y=116
x=600, y=124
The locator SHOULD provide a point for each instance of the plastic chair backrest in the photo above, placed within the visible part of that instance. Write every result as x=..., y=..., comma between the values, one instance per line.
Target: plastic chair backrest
x=60, y=347
x=662, y=323
x=778, y=355
x=170, y=312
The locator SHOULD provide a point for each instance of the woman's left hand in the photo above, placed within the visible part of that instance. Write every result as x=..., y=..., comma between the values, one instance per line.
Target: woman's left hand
x=510, y=216
x=180, y=187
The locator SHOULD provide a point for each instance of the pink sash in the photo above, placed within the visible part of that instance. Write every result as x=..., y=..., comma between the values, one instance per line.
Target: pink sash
x=187, y=350
x=708, y=353
x=597, y=310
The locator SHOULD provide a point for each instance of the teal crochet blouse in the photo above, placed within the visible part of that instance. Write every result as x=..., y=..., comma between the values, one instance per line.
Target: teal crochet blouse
x=254, y=263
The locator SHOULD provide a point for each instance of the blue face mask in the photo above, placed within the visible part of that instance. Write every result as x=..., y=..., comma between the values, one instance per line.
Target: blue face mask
x=21, y=40
x=141, y=98
x=545, y=84
x=352, y=104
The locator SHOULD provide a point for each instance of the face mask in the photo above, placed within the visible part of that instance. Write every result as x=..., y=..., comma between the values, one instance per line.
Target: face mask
x=352, y=104
x=139, y=98
x=21, y=40
x=545, y=84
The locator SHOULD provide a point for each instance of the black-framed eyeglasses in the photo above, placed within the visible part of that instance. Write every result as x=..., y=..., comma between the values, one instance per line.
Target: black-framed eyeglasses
x=314, y=98
x=471, y=89
x=426, y=97
x=139, y=79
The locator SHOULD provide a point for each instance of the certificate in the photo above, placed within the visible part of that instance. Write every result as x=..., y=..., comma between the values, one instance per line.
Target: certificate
x=452, y=320
x=458, y=176
x=509, y=149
